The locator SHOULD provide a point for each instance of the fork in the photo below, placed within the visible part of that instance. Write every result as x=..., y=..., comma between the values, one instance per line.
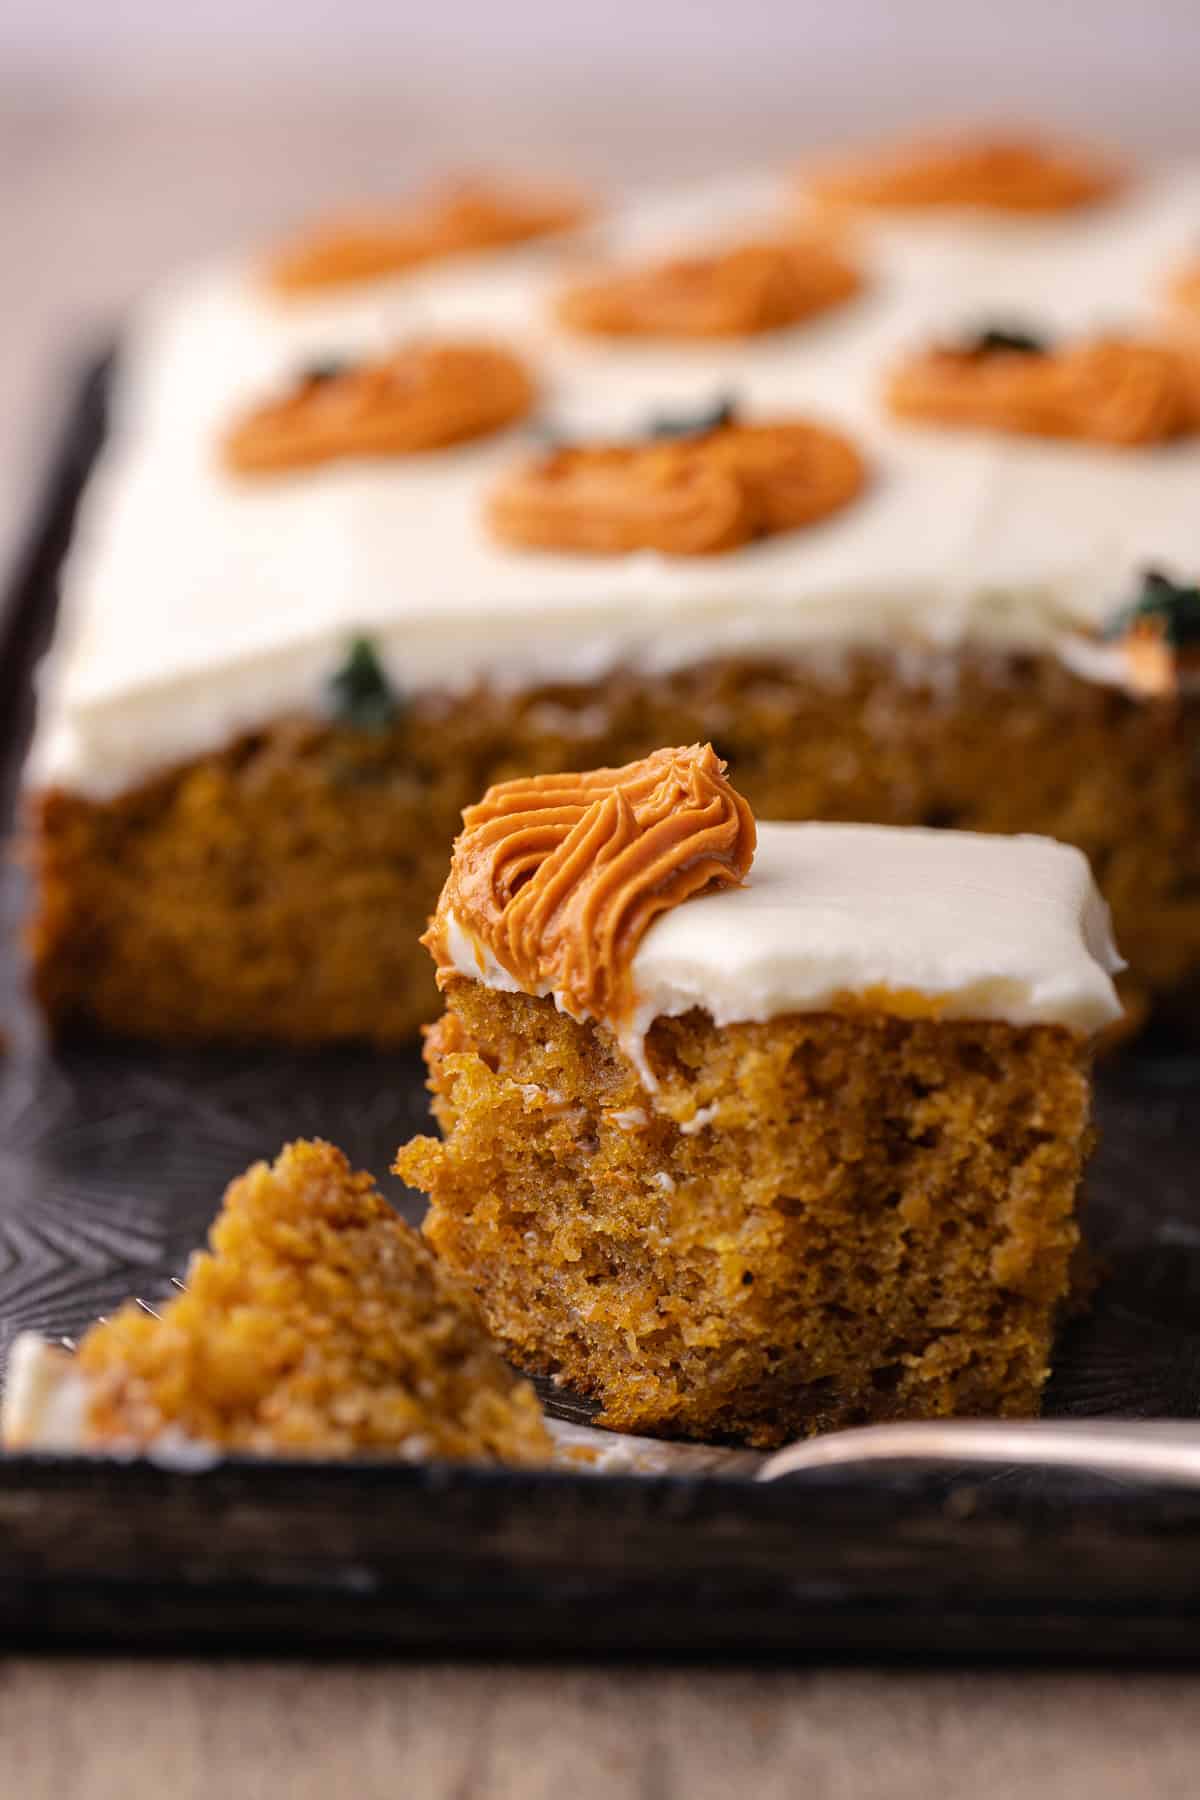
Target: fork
x=1148, y=1450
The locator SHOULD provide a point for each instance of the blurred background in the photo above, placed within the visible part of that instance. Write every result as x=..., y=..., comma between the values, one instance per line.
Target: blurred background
x=136, y=133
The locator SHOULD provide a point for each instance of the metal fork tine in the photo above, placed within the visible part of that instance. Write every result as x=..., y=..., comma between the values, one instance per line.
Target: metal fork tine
x=72, y=1344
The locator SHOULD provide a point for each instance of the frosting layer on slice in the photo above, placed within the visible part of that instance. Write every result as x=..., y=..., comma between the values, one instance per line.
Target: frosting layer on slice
x=954, y=924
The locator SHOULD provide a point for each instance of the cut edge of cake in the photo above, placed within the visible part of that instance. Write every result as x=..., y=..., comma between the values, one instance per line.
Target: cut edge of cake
x=851, y=1196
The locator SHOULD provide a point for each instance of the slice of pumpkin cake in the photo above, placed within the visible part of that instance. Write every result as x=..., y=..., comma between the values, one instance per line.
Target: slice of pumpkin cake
x=753, y=1142
x=317, y=1324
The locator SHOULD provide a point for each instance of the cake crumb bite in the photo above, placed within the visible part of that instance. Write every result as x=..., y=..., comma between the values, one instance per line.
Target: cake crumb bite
x=317, y=1325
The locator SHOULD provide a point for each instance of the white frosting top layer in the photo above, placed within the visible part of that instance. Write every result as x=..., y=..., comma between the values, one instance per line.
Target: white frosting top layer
x=1007, y=928
x=197, y=605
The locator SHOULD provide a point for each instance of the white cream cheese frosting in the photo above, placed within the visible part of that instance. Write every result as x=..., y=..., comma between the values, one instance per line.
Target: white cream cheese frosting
x=963, y=925
x=46, y=1403
x=45, y=1398
x=196, y=605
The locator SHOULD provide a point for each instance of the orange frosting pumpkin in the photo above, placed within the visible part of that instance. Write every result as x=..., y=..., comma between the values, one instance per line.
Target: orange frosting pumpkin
x=736, y=292
x=1121, y=392
x=557, y=878
x=468, y=214
x=997, y=171
x=694, y=495
x=424, y=396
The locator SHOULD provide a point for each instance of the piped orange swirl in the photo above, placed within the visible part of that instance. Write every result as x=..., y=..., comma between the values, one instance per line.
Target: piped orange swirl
x=1183, y=292
x=471, y=213
x=1182, y=297
x=739, y=291
x=697, y=495
x=422, y=396
x=996, y=171
x=1119, y=391
x=557, y=878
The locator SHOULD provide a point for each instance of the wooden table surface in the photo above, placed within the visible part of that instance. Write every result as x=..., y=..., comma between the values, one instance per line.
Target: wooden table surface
x=104, y=1730
x=94, y=202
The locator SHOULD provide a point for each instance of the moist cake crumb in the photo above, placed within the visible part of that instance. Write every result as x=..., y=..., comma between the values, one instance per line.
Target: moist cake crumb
x=862, y=1218
x=318, y=1324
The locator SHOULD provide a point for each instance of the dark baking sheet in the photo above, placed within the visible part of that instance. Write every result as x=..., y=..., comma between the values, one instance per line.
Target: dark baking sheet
x=111, y=1163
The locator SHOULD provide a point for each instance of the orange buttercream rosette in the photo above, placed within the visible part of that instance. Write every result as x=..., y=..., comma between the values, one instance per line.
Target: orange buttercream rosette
x=735, y=292
x=467, y=214
x=693, y=495
x=558, y=877
x=1116, y=391
x=996, y=171
x=1182, y=297
x=1183, y=292
x=423, y=396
